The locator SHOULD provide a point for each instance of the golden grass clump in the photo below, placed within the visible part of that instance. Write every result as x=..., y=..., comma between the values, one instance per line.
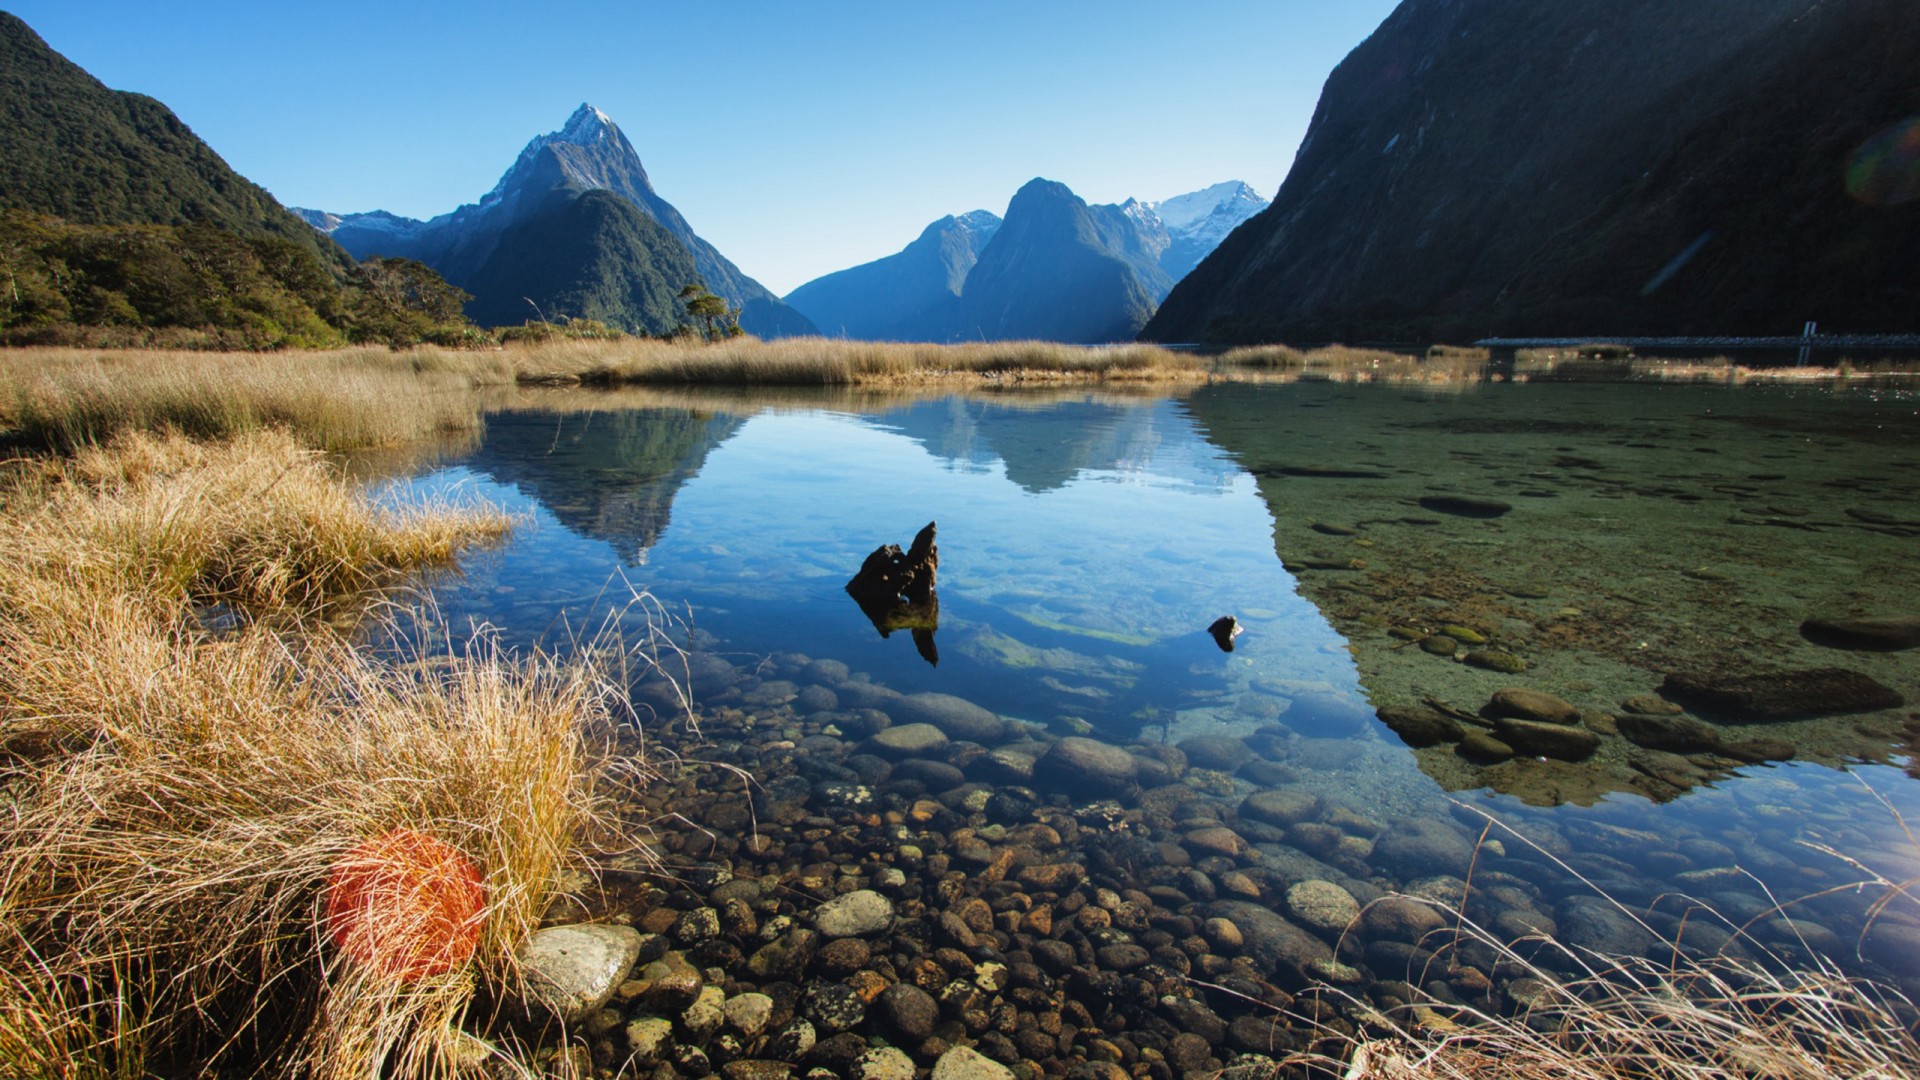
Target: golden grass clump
x=345, y=399
x=834, y=362
x=177, y=800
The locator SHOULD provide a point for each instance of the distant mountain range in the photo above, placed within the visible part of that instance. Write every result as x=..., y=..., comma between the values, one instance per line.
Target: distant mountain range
x=1589, y=167
x=536, y=248
x=1055, y=268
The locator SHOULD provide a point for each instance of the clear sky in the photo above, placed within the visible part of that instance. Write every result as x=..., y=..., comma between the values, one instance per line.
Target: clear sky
x=799, y=137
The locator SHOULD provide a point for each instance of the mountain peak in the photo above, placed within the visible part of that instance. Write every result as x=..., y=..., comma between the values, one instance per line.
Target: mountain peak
x=586, y=127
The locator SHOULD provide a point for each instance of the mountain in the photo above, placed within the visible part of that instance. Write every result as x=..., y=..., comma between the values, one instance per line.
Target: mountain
x=589, y=153
x=1057, y=270
x=891, y=297
x=919, y=294
x=72, y=148
x=1588, y=167
x=1198, y=221
x=595, y=256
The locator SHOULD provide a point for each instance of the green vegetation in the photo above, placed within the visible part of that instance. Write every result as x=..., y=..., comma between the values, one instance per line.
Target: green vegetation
x=206, y=287
x=72, y=148
x=595, y=257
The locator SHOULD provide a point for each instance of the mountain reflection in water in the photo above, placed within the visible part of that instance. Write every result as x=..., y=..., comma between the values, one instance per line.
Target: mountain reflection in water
x=1602, y=536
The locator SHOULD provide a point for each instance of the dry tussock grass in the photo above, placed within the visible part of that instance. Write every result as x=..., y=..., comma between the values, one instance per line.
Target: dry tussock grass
x=175, y=800
x=349, y=398
x=833, y=362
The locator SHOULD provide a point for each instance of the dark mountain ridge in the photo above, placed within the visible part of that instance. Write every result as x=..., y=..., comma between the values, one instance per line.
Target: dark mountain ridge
x=73, y=148
x=1605, y=167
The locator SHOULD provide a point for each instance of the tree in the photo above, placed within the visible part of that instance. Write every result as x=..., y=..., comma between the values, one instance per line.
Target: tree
x=717, y=320
x=403, y=301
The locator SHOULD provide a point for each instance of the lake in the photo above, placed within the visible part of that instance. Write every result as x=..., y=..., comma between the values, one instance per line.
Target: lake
x=1692, y=759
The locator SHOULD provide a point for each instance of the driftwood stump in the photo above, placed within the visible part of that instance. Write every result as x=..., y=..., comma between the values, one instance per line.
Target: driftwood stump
x=895, y=590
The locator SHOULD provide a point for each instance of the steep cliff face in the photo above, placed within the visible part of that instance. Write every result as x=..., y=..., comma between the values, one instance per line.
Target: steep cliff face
x=1583, y=167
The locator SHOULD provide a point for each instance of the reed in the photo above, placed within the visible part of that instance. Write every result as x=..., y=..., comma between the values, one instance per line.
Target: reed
x=830, y=362
x=344, y=399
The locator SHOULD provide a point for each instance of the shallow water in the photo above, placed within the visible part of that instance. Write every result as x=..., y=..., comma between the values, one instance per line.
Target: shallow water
x=1087, y=541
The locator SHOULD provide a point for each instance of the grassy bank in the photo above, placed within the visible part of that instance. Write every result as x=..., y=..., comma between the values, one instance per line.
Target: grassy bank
x=190, y=761
x=345, y=399
x=825, y=362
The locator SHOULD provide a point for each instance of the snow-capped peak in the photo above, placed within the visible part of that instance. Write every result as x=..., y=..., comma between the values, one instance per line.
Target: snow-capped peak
x=1185, y=212
x=585, y=127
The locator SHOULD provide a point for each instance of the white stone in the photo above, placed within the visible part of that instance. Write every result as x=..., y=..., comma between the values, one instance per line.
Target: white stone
x=573, y=970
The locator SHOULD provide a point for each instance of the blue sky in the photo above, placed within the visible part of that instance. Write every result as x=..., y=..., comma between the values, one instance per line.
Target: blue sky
x=799, y=137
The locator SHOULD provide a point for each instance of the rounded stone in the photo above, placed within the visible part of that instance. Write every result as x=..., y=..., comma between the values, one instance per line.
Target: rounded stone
x=1520, y=704
x=911, y=1010
x=572, y=970
x=883, y=1063
x=832, y=1006
x=855, y=914
x=1088, y=763
x=957, y=717
x=748, y=1013
x=1679, y=734
x=962, y=1063
x=1419, y=847
x=1482, y=747
x=908, y=740
x=1223, y=752
x=1322, y=905
x=1280, y=806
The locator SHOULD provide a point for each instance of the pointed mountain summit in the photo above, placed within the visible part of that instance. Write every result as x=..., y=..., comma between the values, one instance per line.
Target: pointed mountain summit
x=891, y=298
x=602, y=251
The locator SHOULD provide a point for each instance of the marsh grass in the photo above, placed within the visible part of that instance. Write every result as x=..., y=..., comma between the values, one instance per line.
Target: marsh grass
x=351, y=398
x=1739, y=1011
x=833, y=362
x=176, y=798
x=1326, y=358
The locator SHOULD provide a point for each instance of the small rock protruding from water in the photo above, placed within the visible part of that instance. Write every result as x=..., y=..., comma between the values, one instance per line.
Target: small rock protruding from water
x=1224, y=630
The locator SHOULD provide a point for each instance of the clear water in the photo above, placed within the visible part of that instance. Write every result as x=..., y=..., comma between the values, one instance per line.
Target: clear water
x=1087, y=541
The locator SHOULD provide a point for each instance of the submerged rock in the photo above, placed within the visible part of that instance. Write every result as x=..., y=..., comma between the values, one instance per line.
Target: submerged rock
x=1465, y=506
x=1518, y=704
x=1086, y=765
x=1782, y=695
x=1421, y=727
x=1681, y=734
x=1886, y=634
x=1568, y=742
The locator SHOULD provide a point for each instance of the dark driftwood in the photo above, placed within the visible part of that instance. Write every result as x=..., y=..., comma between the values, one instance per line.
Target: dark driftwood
x=895, y=590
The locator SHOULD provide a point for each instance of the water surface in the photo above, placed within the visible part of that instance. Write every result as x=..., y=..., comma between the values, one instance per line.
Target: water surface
x=1088, y=540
